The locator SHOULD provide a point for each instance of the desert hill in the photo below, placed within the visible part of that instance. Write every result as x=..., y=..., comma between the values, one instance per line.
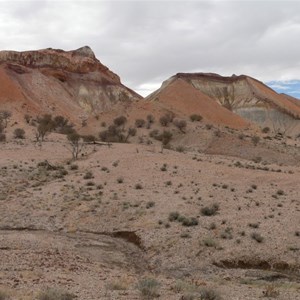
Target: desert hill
x=180, y=97
x=69, y=83
x=76, y=85
x=242, y=95
x=173, y=197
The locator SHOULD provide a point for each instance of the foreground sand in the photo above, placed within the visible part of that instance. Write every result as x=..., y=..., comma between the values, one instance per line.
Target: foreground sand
x=98, y=237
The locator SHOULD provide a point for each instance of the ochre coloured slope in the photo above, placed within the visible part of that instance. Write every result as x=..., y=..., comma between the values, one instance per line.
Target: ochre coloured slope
x=183, y=99
x=70, y=83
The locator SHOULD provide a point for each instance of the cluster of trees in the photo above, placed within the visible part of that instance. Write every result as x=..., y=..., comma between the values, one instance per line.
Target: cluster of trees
x=47, y=124
x=116, y=132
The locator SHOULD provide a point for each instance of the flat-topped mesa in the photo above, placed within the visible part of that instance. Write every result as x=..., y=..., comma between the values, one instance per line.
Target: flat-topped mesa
x=241, y=94
x=210, y=76
x=82, y=60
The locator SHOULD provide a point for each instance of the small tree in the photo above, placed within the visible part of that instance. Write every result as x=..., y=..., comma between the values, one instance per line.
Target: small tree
x=150, y=121
x=45, y=125
x=181, y=125
x=62, y=125
x=165, y=139
x=19, y=133
x=266, y=130
x=5, y=115
x=166, y=119
x=120, y=121
x=75, y=143
x=195, y=117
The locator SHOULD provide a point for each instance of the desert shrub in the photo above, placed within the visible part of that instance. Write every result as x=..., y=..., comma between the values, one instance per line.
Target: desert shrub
x=19, y=133
x=208, y=126
x=115, y=163
x=4, y=295
x=148, y=287
x=257, y=237
x=89, y=138
x=271, y=291
x=120, y=121
x=150, y=204
x=241, y=136
x=195, y=118
x=209, y=294
x=165, y=137
x=280, y=192
x=164, y=168
x=255, y=140
x=180, y=149
x=253, y=225
x=117, y=286
x=189, y=222
x=5, y=115
x=217, y=133
x=150, y=119
x=55, y=294
x=62, y=125
x=73, y=167
x=210, y=210
x=138, y=186
x=27, y=118
x=185, y=221
x=181, y=125
x=173, y=216
x=88, y=175
x=227, y=234
x=112, y=134
x=116, y=134
x=212, y=226
x=209, y=242
x=266, y=130
x=257, y=159
x=120, y=180
x=166, y=119
x=139, y=123
x=154, y=134
x=2, y=137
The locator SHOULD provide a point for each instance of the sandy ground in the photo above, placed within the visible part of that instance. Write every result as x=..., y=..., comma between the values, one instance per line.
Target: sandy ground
x=97, y=235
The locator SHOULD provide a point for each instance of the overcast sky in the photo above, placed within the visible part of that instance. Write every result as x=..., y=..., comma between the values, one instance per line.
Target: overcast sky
x=145, y=42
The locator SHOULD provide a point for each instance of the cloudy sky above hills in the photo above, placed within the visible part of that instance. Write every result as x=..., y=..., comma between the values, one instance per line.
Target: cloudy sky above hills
x=145, y=42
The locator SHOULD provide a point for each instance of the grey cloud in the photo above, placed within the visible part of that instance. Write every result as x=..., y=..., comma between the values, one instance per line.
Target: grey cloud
x=145, y=42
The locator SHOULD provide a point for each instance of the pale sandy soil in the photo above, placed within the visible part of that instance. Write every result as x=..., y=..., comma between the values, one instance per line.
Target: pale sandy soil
x=91, y=236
